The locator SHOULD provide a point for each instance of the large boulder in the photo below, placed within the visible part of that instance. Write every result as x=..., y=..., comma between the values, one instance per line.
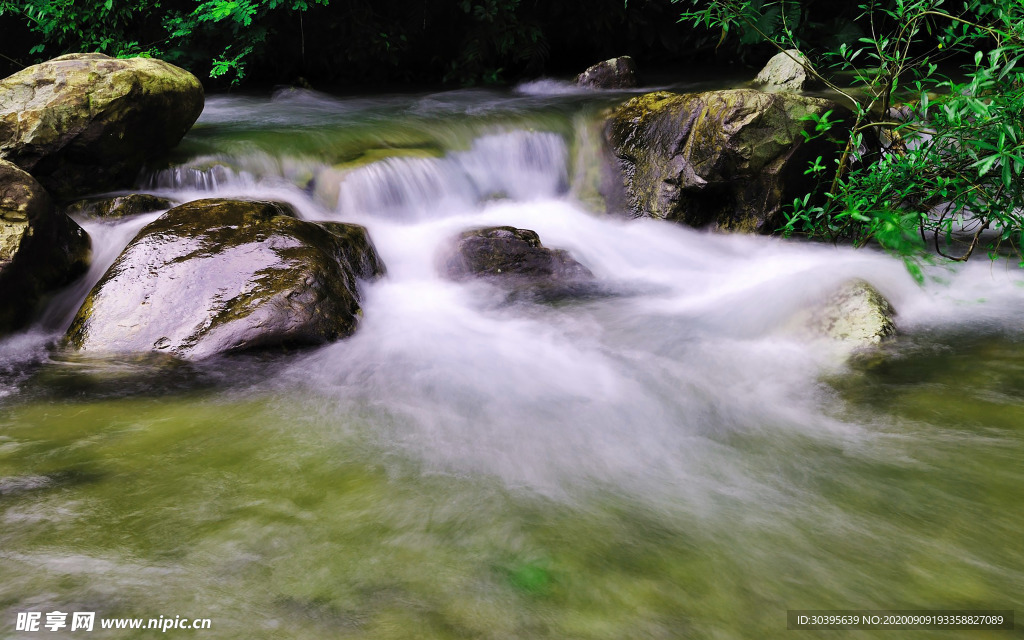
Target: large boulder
x=87, y=122
x=720, y=159
x=40, y=249
x=509, y=254
x=215, y=276
x=617, y=73
x=786, y=71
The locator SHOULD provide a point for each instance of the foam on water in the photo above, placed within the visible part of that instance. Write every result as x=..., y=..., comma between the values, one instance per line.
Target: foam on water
x=644, y=461
x=637, y=388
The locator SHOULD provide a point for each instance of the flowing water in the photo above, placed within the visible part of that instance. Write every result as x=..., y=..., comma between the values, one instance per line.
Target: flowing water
x=670, y=459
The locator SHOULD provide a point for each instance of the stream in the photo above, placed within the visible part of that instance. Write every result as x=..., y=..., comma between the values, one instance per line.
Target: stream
x=670, y=459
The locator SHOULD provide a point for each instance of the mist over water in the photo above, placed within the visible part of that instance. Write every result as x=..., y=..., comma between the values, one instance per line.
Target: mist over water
x=647, y=458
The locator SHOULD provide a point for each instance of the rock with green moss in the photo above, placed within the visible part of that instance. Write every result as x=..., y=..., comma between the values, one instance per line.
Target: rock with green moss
x=40, y=249
x=510, y=255
x=617, y=73
x=786, y=71
x=87, y=122
x=720, y=159
x=216, y=276
x=117, y=207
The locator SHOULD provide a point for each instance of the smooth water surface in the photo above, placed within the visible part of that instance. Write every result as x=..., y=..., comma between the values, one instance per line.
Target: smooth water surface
x=673, y=458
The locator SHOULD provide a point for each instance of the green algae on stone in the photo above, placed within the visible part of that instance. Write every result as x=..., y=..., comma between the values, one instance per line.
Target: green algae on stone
x=215, y=276
x=720, y=159
x=86, y=122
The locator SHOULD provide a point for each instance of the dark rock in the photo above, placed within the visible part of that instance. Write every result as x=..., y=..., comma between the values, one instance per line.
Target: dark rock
x=87, y=122
x=40, y=249
x=216, y=276
x=118, y=207
x=719, y=159
x=356, y=249
x=511, y=255
x=617, y=73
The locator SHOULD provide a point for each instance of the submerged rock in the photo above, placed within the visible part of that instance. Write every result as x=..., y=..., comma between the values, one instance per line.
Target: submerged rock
x=511, y=255
x=719, y=159
x=215, y=276
x=85, y=122
x=40, y=249
x=118, y=375
x=118, y=207
x=617, y=73
x=784, y=72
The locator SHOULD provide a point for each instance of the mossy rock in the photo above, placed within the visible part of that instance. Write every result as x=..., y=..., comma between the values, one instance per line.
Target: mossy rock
x=118, y=207
x=87, y=122
x=511, y=255
x=40, y=249
x=216, y=276
x=720, y=159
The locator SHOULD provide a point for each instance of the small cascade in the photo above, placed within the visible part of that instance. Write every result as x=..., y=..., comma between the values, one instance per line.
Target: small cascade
x=233, y=173
x=405, y=188
x=515, y=165
x=193, y=177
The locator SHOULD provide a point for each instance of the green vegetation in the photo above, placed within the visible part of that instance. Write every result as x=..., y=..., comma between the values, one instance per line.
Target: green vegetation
x=350, y=41
x=928, y=160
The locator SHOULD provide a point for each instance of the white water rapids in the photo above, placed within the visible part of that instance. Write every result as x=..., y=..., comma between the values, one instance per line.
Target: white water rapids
x=668, y=456
x=696, y=337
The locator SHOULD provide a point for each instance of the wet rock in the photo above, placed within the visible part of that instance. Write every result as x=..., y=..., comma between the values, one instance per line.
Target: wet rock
x=856, y=315
x=511, y=255
x=356, y=249
x=119, y=207
x=719, y=159
x=40, y=249
x=216, y=276
x=784, y=72
x=617, y=73
x=86, y=122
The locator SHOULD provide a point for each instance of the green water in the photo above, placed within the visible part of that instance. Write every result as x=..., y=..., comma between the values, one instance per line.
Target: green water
x=279, y=522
